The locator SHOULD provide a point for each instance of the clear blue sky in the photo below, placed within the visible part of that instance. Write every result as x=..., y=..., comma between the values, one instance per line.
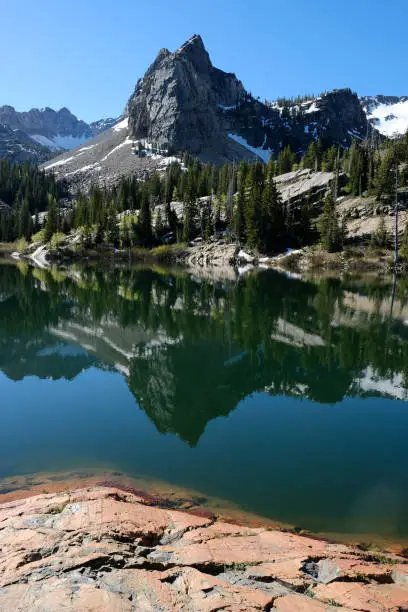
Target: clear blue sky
x=88, y=54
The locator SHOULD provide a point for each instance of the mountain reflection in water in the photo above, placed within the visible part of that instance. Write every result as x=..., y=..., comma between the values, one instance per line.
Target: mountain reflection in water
x=254, y=349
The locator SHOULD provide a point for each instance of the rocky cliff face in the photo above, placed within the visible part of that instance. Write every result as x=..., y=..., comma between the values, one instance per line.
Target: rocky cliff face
x=184, y=103
x=177, y=104
x=103, y=124
x=18, y=147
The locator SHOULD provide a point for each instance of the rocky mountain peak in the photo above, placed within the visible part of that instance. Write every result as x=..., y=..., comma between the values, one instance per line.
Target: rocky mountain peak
x=176, y=105
x=183, y=103
x=194, y=51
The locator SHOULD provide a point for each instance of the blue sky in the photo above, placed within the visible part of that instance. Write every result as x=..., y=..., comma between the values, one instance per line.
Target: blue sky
x=88, y=54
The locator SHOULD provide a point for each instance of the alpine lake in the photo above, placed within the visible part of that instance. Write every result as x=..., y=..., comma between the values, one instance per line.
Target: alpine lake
x=283, y=397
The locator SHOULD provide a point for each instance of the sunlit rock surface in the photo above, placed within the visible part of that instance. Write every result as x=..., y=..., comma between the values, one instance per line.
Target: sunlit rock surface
x=106, y=549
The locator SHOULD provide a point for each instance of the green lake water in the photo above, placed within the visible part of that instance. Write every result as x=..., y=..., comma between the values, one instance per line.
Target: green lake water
x=288, y=398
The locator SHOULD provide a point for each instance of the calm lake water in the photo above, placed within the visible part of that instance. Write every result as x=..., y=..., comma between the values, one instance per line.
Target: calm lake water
x=288, y=398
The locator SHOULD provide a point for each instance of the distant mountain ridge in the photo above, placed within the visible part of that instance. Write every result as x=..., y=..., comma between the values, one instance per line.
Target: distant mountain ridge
x=37, y=133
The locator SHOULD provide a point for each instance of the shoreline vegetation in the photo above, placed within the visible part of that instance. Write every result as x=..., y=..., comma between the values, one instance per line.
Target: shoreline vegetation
x=337, y=205
x=312, y=259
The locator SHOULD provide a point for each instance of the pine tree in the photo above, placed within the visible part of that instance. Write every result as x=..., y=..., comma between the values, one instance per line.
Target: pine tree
x=239, y=219
x=51, y=224
x=145, y=221
x=125, y=238
x=36, y=226
x=381, y=238
x=272, y=215
x=385, y=181
x=358, y=169
x=404, y=245
x=159, y=227
x=25, y=224
x=112, y=227
x=331, y=234
x=309, y=158
x=206, y=221
x=189, y=221
x=253, y=205
x=305, y=233
x=286, y=159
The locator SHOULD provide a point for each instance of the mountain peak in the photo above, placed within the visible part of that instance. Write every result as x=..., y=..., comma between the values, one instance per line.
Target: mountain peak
x=194, y=51
x=194, y=41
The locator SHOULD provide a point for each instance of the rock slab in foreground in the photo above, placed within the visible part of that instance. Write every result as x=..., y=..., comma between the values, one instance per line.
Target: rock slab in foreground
x=104, y=549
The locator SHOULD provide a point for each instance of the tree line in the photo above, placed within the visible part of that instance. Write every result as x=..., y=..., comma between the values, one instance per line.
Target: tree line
x=27, y=190
x=240, y=202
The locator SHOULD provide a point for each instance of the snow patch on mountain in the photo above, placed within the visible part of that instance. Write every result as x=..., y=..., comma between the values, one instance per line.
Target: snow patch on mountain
x=59, y=142
x=119, y=146
x=60, y=162
x=313, y=108
x=264, y=154
x=122, y=125
x=388, y=115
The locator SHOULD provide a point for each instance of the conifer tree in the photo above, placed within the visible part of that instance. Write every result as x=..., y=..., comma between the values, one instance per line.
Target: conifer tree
x=206, y=221
x=189, y=220
x=25, y=224
x=286, y=159
x=404, y=245
x=159, y=227
x=145, y=220
x=51, y=224
x=305, y=233
x=381, y=238
x=331, y=234
x=253, y=205
x=272, y=215
x=358, y=169
x=239, y=218
x=125, y=238
x=112, y=227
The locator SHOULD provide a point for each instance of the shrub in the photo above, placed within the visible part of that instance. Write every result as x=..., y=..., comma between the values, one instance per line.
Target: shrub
x=21, y=244
x=57, y=240
x=38, y=237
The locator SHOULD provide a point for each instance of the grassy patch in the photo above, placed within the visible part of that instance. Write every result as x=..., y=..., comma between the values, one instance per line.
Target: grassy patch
x=378, y=557
x=310, y=592
x=163, y=253
x=21, y=244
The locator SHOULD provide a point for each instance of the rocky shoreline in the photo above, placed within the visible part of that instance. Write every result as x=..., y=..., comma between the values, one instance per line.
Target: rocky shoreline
x=103, y=548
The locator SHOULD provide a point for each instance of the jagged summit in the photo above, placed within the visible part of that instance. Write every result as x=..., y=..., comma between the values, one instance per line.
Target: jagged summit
x=194, y=41
x=184, y=103
x=176, y=105
x=194, y=51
